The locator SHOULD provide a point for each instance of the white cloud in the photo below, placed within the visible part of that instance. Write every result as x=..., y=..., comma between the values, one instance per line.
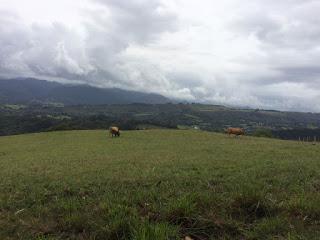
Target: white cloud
x=259, y=53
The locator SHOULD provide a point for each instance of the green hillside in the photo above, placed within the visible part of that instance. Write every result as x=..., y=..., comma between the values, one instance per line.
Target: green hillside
x=159, y=184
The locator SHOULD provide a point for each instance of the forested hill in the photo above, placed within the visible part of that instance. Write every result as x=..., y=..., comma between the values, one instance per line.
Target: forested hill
x=16, y=119
x=31, y=105
x=31, y=91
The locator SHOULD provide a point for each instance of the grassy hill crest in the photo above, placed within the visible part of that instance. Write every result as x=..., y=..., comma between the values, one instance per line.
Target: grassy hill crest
x=157, y=184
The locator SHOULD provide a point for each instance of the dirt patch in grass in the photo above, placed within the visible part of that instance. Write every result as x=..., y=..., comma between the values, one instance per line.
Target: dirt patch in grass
x=250, y=208
x=202, y=228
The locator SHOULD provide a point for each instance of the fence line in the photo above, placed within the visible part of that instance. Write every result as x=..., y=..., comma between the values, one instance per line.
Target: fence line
x=315, y=139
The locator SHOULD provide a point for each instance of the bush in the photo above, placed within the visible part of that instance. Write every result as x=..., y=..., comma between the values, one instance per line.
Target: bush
x=263, y=132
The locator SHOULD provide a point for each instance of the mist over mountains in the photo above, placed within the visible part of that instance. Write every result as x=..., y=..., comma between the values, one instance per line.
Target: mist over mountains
x=30, y=90
x=262, y=54
x=31, y=105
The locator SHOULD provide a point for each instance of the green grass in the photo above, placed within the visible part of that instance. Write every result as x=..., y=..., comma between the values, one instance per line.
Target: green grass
x=157, y=184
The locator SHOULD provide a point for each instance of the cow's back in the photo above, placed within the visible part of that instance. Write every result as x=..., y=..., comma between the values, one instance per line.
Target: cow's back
x=114, y=129
x=235, y=131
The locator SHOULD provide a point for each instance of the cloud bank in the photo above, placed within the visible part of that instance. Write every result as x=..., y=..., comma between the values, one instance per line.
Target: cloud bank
x=257, y=53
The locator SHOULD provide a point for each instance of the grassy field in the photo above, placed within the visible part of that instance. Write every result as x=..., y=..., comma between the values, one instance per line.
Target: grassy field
x=157, y=184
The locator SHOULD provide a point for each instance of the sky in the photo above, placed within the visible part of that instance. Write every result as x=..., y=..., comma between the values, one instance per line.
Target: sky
x=246, y=53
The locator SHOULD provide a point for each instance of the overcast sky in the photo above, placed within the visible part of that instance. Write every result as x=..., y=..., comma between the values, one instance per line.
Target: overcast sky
x=257, y=53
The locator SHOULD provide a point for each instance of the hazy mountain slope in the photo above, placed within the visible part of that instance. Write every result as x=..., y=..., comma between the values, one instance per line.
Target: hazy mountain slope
x=23, y=91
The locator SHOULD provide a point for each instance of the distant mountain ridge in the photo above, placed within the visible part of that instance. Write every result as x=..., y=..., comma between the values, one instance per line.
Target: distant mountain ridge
x=30, y=90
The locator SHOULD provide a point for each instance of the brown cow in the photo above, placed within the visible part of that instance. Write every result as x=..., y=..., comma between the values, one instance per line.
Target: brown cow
x=235, y=131
x=115, y=131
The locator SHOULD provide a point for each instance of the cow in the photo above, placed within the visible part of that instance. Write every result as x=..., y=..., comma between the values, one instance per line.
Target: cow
x=235, y=131
x=115, y=131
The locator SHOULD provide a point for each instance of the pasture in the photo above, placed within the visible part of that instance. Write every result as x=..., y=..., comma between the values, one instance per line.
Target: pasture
x=157, y=184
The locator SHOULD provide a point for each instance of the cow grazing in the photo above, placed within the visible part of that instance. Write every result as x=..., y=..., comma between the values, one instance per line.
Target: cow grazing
x=114, y=131
x=235, y=131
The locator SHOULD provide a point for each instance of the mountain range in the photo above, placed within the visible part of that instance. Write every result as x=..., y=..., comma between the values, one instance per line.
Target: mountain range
x=30, y=90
